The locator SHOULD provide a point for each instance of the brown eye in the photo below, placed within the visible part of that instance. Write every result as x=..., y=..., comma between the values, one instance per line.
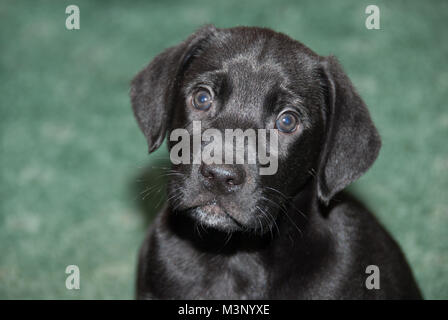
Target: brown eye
x=202, y=99
x=287, y=122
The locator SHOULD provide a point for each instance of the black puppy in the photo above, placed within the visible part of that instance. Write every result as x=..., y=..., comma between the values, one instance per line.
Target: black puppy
x=229, y=232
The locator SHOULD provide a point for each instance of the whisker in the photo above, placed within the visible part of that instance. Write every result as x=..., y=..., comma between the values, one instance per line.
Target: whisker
x=290, y=201
x=269, y=217
x=284, y=210
x=294, y=224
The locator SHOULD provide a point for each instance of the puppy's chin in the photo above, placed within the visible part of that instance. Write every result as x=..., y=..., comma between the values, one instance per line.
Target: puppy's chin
x=214, y=216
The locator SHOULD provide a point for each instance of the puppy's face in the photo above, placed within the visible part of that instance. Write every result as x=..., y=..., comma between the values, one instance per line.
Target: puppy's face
x=248, y=85
x=251, y=78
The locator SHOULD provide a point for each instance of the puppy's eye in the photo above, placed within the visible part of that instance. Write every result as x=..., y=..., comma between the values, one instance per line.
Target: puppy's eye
x=287, y=122
x=202, y=99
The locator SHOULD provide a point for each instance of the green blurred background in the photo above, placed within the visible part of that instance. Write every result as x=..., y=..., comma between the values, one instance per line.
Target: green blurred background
x=73, y=163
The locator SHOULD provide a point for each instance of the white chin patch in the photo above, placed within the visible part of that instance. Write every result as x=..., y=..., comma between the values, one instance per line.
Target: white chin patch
x=213, y=216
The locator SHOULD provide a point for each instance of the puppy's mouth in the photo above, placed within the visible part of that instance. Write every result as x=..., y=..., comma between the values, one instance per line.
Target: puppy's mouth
x=213, y=215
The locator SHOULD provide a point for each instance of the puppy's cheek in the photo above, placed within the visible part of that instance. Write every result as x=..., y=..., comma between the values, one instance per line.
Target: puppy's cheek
x=175, y=193
x=189, y=187
x=289, y=179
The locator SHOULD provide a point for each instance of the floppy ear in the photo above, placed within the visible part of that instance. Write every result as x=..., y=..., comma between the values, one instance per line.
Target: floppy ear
x=352, y=142
x=153, y=88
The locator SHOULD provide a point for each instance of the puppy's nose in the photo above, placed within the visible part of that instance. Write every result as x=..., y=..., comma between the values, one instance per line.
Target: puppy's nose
x=222, y=177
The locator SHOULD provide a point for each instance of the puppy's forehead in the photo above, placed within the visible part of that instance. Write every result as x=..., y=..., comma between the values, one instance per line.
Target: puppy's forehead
x=260, y=46
x=244, y=69
x=255, y=54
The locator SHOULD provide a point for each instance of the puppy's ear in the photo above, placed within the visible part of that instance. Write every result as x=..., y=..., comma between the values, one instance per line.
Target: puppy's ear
x=153, y=88
x=352, y=141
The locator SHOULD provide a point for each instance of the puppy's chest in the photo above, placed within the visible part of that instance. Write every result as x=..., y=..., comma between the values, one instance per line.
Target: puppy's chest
x=240, y=276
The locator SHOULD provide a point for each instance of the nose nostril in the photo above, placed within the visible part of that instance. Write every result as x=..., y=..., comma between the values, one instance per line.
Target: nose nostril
x=221, y=177
x=206, y=172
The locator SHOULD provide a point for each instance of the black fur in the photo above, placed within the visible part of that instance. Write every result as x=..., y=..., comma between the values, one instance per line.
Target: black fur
x=291, y=235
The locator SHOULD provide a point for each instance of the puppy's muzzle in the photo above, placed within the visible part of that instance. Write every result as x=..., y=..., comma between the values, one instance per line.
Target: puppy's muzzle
x=222, y=178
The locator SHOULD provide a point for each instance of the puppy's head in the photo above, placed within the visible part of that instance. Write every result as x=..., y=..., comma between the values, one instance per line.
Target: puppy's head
x=253, y=78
